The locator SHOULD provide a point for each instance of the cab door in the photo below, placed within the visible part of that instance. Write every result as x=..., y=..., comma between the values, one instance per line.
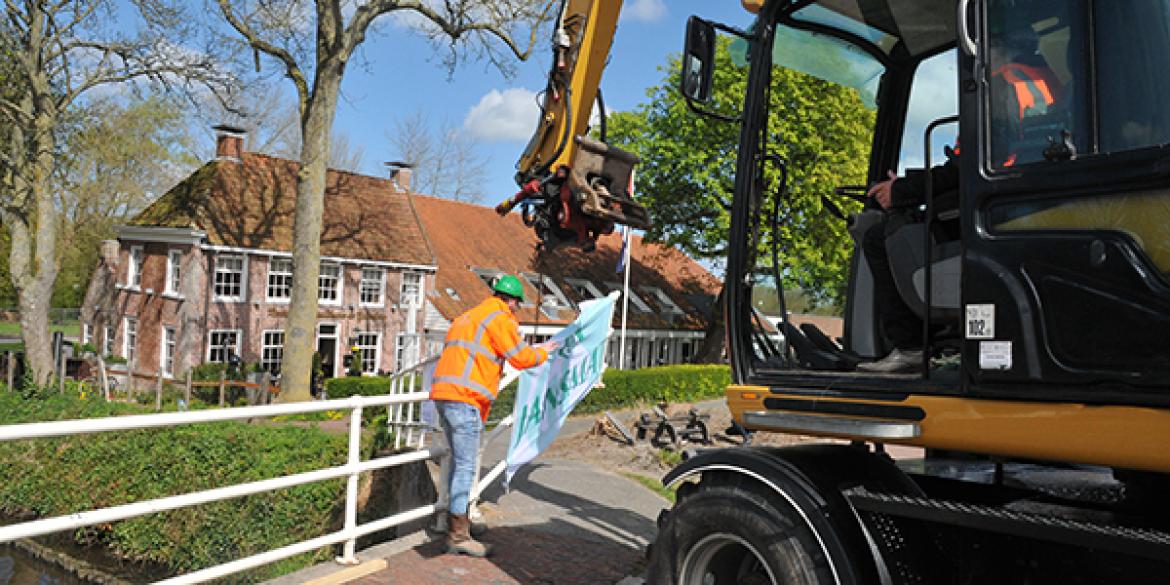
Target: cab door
x=1066, y=207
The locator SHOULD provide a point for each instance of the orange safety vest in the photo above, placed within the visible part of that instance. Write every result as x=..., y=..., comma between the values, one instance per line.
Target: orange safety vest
x=477, y=344
x=1036, y=89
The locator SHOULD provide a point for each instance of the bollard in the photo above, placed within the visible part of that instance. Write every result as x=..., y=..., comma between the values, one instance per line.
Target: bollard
x=222, y=376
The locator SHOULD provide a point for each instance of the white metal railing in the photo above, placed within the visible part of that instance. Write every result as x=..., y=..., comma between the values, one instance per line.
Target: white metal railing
x=406, y=385
x=404, y=419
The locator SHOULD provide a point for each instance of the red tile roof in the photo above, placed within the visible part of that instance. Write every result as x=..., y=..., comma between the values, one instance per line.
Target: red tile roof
x=466, y=236
x=250, y=204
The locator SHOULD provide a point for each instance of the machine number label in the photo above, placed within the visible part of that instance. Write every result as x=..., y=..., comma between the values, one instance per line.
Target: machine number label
x=980, y=322
x=995, y=355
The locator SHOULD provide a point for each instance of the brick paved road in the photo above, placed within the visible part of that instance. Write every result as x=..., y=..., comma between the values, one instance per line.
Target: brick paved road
x=521, y=556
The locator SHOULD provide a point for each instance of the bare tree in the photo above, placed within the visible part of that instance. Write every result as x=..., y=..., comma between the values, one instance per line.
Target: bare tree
x=447, y=163
x=313, y=42
x=63, y=51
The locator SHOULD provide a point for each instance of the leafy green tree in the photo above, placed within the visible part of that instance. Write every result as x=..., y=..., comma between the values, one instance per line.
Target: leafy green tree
x=118, y=156
x=687, y=173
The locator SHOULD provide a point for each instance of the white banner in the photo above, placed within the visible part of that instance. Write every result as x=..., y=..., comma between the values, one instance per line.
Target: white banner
x=548, y=393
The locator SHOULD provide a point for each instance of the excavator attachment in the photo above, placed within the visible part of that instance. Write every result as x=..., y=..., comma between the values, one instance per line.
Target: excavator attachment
x=573, y=191
x=579, y=203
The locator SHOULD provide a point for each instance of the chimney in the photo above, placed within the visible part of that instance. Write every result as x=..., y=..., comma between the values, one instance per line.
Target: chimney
x=400, y=175
x=229, y=143
x=110, y=252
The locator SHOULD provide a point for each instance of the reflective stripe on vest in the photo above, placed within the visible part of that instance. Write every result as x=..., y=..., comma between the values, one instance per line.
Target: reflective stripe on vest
x=1032, y=92
x=473, y=347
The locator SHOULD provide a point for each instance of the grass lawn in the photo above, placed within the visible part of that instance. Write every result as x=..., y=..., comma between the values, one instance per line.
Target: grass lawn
x=653, y=484
x=12, y=329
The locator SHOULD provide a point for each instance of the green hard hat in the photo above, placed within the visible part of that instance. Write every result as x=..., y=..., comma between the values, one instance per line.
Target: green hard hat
x=509, y=285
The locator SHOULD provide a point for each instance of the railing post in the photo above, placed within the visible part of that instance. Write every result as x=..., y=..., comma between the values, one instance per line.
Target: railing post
x=105, y=377
x=11, y=369
x=397, y=389
x=187, y=390
x=158, y=385
x=130, y=376
x=61, y=371
x=351, y=487
x=222, y=377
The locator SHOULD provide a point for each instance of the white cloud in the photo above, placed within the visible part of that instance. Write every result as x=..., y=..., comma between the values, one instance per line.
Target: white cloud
x=645, y=10
x=507, y=116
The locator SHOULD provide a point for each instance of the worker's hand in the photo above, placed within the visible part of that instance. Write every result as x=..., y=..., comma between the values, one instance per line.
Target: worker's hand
x=550, y=345
x=882, y=192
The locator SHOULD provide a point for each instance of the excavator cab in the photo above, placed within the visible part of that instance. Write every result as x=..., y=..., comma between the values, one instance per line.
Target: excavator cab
x=1043, y=272
x=575, y=188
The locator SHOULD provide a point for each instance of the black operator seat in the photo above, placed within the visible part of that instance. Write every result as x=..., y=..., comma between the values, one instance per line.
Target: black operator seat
x=906, y=248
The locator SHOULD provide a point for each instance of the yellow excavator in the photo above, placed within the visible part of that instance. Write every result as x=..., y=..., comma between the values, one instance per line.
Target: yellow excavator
x=1040, y=285
x=574, y=188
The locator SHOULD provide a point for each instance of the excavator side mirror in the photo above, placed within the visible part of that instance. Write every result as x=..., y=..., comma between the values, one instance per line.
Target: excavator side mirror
x=698, y=61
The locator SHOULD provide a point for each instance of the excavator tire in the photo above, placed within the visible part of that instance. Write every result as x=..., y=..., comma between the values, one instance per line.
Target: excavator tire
x=729, y=531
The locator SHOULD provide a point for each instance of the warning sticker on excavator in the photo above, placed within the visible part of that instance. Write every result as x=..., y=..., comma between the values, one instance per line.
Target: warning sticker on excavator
x=980, y=322
x=995, y=355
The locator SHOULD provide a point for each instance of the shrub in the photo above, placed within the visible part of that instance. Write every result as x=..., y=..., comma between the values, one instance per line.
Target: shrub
x=50, y=477
x=633, y=388
x=359, y=385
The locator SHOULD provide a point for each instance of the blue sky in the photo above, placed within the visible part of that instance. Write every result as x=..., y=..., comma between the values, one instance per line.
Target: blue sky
x=402, y=76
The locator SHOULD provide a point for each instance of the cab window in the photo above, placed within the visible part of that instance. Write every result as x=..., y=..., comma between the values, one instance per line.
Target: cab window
x=1095, y=71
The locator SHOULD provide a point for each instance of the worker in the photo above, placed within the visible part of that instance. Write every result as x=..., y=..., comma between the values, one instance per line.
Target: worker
x=465, y=383
x=1022, y=87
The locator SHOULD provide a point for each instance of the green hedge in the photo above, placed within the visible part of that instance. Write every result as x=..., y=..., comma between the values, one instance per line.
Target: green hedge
x=50, y=477
x=633, y=388
x=360, y=385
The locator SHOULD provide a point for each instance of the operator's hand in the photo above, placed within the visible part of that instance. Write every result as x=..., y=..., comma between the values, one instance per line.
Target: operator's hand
x=883, y=191
x=550, y=345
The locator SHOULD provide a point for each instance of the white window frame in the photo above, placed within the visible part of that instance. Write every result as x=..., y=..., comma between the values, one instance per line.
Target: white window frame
x=170, y=343
x=487, y=275
x=211, y=346
x=108, y=341
x=402, y=289
x=639, y=304
x=86, y=333
x=340, y=284
x=377, y=351
x=587, y=285
x=380, y=283
x=129, y=345
x=265, y=347
x=274, y=273
x=134, y=267
x=557, y=297
x=668, y=305
x=174, y=272
x=215, y=271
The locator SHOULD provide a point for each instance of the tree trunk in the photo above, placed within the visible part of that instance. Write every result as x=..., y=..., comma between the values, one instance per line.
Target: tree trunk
x=33, y=257
x=301, y=327
x=711, y=350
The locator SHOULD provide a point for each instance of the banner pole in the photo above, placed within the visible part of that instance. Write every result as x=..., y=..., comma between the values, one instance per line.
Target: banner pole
x=625, y=301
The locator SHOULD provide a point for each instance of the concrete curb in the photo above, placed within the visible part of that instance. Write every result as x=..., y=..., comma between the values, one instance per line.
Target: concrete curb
x=331, y=573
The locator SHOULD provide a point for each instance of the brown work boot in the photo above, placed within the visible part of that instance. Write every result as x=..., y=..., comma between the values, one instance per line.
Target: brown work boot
x=459, y=540
x=478, y=529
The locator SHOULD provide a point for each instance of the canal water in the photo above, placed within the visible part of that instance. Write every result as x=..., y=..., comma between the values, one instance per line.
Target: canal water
x=17, y=568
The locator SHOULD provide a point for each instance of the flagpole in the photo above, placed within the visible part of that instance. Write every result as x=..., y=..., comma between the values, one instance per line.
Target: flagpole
x=625, y=298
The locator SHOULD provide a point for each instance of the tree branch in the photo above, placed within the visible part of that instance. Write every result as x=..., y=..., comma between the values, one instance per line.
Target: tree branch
x=292, y=70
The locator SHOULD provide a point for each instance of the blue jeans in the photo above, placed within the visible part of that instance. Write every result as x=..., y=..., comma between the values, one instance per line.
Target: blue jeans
x=462, y=426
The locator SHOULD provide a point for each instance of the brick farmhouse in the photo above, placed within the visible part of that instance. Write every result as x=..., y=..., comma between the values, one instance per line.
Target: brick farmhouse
x=204, y=273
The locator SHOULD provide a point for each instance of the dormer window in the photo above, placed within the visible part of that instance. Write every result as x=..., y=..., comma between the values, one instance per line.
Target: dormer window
x=664, y=301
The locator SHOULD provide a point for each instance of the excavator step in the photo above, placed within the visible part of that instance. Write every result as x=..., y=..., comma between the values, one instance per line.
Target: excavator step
x=1144, y=542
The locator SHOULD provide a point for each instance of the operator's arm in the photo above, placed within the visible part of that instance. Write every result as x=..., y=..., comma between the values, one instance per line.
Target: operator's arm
x=911, y=189
x=504, y=335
